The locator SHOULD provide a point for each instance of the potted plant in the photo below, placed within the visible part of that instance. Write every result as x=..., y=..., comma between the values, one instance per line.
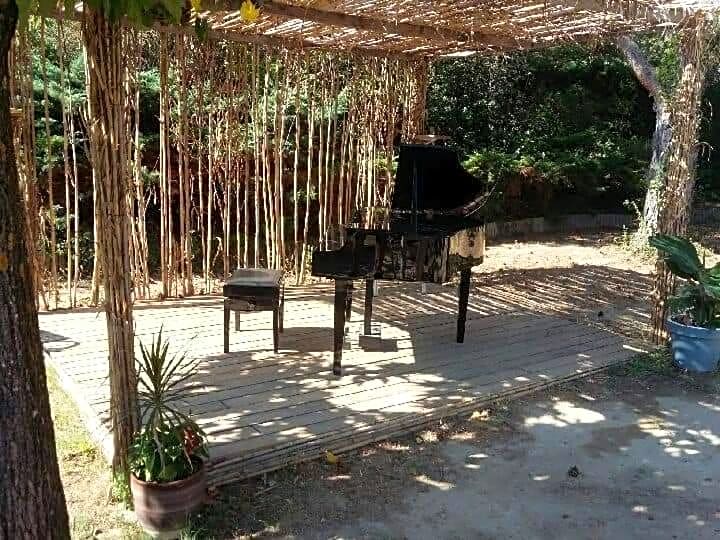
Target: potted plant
x=167, y=457
x=694, y=322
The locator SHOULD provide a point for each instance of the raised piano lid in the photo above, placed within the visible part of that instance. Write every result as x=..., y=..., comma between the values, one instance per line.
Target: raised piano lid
x=441, y=182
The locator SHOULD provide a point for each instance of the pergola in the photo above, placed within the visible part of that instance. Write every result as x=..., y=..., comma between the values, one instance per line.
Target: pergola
x=408, y=32
x=412, y=31
x=438, y=28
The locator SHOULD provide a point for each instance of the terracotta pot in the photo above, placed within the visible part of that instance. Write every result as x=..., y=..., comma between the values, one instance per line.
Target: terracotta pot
x=163, y=508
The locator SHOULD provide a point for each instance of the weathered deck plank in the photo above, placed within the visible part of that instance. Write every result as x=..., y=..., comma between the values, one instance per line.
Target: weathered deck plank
x=262, y=410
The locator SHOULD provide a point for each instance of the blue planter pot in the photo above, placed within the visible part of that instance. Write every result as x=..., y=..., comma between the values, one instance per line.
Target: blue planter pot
x=695, y=349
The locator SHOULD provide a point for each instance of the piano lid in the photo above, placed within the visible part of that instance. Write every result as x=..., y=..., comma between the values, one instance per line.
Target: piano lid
x=435, y=176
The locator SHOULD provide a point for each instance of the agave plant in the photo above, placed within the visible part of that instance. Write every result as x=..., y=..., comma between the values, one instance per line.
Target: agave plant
x=697, y=301
x=170, y=445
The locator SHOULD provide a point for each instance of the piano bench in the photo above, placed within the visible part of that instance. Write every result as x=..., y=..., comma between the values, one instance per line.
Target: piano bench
x=253, y=289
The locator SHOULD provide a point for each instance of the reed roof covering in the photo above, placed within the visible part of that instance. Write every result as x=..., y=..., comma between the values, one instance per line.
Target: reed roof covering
x=442, y=27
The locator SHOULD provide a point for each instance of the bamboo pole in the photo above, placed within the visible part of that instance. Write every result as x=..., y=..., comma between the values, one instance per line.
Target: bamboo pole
x=22, y=95
x=184, y=169
x=210, y=202
x=308, y=182
x=227, y=199
x=246, y=156
x=255, y=113
x=281, y=187
x=76, y=205
x=97, y=258
x=66, y=167
x=296, y=164
x=327, y=200
x=164, y=173
x=49, y=159
x=103, y=41
x=200, y=106
x=140, y=197
x=239, y=67
x=333, y=147
x=266, y=191
x=321, y=159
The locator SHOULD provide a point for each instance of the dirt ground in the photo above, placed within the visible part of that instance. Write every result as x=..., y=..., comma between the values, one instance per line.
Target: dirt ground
x=614, y=456
x=630, y=454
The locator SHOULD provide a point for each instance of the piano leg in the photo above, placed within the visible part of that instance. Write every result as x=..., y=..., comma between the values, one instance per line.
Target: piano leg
x=348, y=300
x=463, y=293
x=341, y=298
x=367, y=321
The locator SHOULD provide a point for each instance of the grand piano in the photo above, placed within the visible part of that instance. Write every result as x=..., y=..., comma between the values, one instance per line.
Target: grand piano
x=432, y=231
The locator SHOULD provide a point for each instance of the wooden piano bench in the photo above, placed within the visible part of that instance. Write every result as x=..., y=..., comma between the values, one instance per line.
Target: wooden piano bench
x=253, y=289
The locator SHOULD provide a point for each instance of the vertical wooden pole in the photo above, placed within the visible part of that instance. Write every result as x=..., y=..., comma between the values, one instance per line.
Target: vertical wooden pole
x=308, y=181
x=246, y=156
x=103, y=41
x=256, y=133
x=321, y=159
x=685, y=114
x=164, y=173
x=296, y=164
x=210, y=201
x=49, y=159
x=66, y=167
x=200, y=106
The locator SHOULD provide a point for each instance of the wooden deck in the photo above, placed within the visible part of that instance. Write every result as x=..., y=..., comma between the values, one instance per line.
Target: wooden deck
x=263, y=410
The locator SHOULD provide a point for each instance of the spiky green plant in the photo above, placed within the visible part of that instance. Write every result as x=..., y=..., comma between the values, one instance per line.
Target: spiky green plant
x=697, y=301
x=170, y=445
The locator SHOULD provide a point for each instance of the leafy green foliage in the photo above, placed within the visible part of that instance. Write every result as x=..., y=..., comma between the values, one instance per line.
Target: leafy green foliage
x=657, y=362
x=697, y=301
x=138, y=12
x=559, y=128
x=85, y=243
x=170, y=445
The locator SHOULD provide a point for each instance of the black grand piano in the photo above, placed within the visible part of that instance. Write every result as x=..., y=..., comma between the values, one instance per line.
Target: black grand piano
x=431, y=232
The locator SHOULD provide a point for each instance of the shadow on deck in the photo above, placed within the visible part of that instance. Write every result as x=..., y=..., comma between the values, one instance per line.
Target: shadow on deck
x=526, y=329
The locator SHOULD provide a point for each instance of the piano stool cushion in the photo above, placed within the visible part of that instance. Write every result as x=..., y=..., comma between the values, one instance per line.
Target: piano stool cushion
x=253, y=281
x=253, y=289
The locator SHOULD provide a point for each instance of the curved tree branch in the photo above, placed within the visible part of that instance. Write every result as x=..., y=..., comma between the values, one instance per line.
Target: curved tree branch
x=643, y=70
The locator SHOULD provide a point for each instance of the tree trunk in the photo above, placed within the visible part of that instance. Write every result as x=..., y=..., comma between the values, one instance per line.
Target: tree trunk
x=103, y=40
x=656, y=176
x=32, y=504
x=647, y=77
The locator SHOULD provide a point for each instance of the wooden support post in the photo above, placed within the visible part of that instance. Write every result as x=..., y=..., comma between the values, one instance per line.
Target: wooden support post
x=463, y=294
x=367, y=322
x=106, y=100
x=681, y=157
x=342, y=287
